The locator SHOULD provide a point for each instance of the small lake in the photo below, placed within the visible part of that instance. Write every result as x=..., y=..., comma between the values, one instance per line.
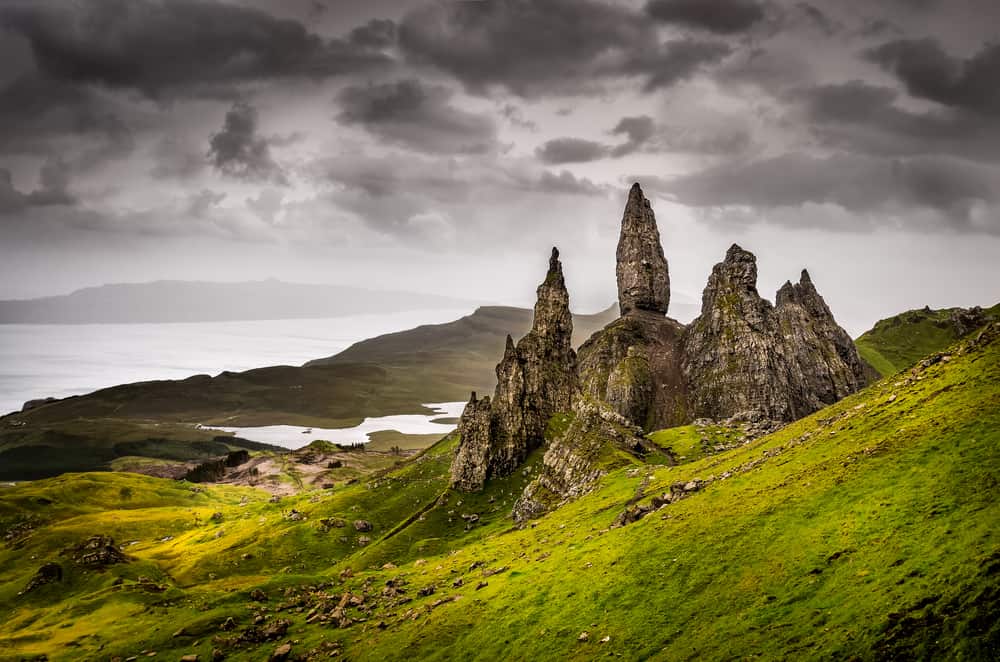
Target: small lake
x=293, y=436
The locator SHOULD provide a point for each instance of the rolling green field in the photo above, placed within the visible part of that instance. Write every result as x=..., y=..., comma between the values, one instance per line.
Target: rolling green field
x=865, y=531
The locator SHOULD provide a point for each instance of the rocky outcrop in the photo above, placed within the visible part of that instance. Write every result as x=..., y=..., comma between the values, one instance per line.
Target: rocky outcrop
x=97, y=551
x=824, y=363
x=578, y=457
x=747, y=359
x=643, y=278
x=742, y=359
x=966, y=320
x=475, y=431
x=535, y=379
x=634, y=366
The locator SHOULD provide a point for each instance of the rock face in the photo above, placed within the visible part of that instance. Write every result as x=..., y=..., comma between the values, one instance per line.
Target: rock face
x=634, y=366
x=747, y=359
x=966, y=320
x=643, y=279
x=571, y=466
x=535, y=379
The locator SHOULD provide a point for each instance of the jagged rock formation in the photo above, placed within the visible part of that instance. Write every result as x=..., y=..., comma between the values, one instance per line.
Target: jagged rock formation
x=634, y=365
x=747, y=359
x=741, y=358
x=573, y=463
x=643, y=279
x=825, y=363
x=535, y=379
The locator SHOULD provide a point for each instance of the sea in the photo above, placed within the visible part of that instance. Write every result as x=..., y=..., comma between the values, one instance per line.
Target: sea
x=60, y=360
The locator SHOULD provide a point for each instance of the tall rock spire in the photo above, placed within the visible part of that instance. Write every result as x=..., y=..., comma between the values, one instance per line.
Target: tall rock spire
x=643, y=278
x=535, y=379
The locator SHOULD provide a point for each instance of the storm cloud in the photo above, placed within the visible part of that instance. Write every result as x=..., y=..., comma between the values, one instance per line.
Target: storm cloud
x=961, y=192
x=239, y=151
x=720, y=16
x=415, y=115
x=510, y=44
x=178, y=46
x=928, y=72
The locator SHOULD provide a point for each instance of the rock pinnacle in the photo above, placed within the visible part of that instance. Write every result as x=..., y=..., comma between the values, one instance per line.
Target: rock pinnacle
x=643, y=278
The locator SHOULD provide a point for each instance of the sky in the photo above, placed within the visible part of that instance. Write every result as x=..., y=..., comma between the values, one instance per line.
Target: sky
x=446, y=146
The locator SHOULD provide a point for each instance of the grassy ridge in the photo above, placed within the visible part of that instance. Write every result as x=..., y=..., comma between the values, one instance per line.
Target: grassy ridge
x=867, y=530
x=900, y=341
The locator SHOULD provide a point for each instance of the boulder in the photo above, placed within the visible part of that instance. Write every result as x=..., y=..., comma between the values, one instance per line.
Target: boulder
x=48, y=574
x=97, y=552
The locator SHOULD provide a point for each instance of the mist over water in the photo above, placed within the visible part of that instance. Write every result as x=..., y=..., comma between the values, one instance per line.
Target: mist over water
x=40, y=360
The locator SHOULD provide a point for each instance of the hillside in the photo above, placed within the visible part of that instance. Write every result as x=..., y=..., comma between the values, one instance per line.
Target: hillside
x=188, y=301
x=475, y=341
x=392, y=374
x=897, y=342
x=866, y=530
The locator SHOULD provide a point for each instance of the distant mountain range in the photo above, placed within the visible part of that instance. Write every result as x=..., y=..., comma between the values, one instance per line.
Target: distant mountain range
x=192, y=301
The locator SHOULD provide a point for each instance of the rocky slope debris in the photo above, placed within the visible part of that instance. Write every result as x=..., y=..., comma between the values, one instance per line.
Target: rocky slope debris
x=571, y=466
x=536, y=378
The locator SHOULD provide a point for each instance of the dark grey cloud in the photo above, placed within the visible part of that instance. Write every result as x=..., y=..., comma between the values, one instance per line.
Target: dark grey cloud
x=719, y=16
x=53, y=189
x=956, y=190
x=377, y=34
x=418, y=116
x=239, y=151
x=637, y=130
x=548, y=47
x=674, y=61
x=928, y=72
x=571, y=150
x=864, y=118
x=818, y=18
x=641, y=133
x=35, y=111
x=177, y=46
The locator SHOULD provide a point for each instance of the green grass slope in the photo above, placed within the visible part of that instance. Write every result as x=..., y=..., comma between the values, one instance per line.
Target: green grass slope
x=900, y=341
x=865, y=531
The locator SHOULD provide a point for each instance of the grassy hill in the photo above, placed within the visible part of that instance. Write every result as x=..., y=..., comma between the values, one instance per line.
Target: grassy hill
x=898, y=342
x=390, y=374
x=865, y=531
